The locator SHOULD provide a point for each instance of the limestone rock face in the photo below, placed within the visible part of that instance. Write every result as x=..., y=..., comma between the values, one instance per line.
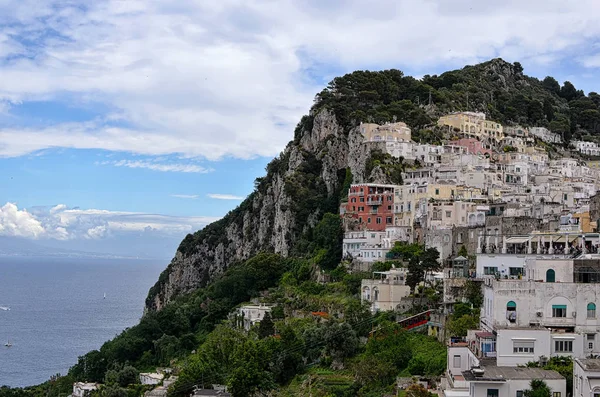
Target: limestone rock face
x=267, y=220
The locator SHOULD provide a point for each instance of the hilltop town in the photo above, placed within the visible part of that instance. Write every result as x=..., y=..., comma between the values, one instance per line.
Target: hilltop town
x=507, y=212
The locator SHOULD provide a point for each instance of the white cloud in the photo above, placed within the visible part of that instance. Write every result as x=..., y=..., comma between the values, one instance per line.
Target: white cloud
x=592, y=61
x=61, y=223
x=185, y=196
x=230, y=78
x=162, y=167
x=18, y=223
x=224, y=196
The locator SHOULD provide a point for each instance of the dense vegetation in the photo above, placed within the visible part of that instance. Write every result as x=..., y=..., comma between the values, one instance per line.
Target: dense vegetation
x=497, y=88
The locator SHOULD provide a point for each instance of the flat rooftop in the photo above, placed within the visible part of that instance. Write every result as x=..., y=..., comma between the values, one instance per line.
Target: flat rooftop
x=590, y=364
x=495, y=373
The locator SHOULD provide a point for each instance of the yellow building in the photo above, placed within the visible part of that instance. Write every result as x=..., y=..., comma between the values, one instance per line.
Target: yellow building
x=472, y=124
x=464, y=122
x=594, y=164
x=389, y=132
x=584, y=221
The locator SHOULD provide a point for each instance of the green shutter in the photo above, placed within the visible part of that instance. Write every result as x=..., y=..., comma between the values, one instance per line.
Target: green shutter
x=591, y=306
x=511, y=304
x=559, y=307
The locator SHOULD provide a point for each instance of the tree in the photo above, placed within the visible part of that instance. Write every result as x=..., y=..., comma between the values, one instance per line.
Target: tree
x=548, y=109
x=518, y=68
x=127, y=376
x=568, y=91
x=538, y=388
x=328, y=236
x=266, y=326
x=551, y=85
x=417, y=390
x=463, y=251
x=113, y=391
x=460, y=326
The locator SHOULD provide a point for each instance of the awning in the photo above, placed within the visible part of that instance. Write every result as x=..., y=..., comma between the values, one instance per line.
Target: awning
x=562, y=239
x=485, y=335
x=517, y=240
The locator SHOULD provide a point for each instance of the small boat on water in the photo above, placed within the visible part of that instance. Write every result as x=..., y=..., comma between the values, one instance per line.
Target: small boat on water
x=105, y=295
x=5, y=308
x=8, y=344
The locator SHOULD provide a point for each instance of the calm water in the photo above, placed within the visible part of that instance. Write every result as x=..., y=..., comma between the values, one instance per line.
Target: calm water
x=57, y=311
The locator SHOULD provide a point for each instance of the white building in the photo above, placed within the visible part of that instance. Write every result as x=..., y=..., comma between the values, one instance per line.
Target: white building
x=385, y=290
x=468, y=376
x=82, y=389
x=151, y=378
x=545, y=135
x=588, y=148
x=586, y=377
x=249, y=315
x=550, y=310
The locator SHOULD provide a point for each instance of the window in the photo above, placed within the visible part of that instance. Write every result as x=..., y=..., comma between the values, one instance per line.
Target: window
x=378, y=221
x=565, y=196
x=550, y=276
x=559, y=310
x=591, y=336
x=368, y=220
x=362, y=199
x=456, y=361
x=511, y=313
x=361, y=209
x=437, y=192
x=388, y=220
x=565, y=346
x=556, y=394
x=523, y=347
x=490, y=271
x=590, y=345
x=591, y=310
x=519, y=393
x=389, y=207
x=492, y=393
x=515, y=271
x=448, y=214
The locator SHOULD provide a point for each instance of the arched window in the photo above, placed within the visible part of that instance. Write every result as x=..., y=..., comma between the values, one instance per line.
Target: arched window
x=375, y=294
x=550, y=276
x=591, y=310
x=511, y=311
x=367, y=293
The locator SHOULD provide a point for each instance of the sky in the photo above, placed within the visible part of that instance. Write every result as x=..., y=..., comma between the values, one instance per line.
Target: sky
x=126, y=124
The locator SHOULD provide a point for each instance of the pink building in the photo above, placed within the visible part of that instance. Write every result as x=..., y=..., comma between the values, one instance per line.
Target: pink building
x=472, y=146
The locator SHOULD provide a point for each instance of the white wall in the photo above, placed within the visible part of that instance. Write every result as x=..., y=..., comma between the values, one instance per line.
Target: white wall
x=585, y=383
x=506, y=339
x=509, y=388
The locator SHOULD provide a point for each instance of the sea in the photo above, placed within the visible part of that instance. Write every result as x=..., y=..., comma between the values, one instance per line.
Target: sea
x=58, y=311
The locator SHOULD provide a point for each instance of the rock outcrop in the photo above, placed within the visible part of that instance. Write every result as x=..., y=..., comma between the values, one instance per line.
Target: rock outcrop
x=274, y=217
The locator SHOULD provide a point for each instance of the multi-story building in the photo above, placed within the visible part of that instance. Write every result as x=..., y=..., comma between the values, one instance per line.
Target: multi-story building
x=390, y=132
x=588, y=148
x=545, y=135
x=385, y=290
x=473, y=124
x=372, y=205
x=472, y=375
x=472, y=146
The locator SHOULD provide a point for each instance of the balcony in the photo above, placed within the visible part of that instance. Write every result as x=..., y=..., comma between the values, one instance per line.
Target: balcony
x=374, y=202
x=373, y=212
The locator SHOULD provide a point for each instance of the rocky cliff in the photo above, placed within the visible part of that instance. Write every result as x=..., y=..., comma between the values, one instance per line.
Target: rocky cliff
x=301, y=185
x=306, y=180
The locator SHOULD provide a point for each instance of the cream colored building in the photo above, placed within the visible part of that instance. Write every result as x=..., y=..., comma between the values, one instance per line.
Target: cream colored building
x=472, y=124
x=385, y=290
x=390, y=132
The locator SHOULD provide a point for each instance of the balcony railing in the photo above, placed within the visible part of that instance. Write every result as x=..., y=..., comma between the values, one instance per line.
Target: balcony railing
x=374, y=202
